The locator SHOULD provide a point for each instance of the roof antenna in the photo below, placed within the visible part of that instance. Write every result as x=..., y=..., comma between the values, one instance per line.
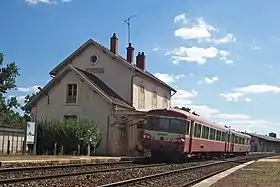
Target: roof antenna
x=127, y=21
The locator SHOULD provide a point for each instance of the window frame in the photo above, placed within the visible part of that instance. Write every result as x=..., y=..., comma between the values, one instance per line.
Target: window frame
x=203, y=135
x=154, y=100
x=141, y=97
x=165, y=102
x=71, y=98
x=70, y=116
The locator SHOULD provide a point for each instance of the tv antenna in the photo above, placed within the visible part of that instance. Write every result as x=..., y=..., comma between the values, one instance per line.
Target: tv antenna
x=127, y=21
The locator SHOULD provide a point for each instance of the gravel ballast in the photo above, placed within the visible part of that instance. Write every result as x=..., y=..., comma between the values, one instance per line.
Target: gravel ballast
x=104, y=178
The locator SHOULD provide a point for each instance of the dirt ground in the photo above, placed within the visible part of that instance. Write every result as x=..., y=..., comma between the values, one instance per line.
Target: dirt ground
x=258, y=174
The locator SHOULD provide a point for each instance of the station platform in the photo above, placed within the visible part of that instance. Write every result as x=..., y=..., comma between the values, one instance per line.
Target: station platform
x=263, y=172
x=22, y=160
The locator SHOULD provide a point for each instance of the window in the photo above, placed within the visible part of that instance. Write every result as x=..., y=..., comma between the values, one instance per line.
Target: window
x=154, y=100
x=218, y=136
x=205, y=132
x=177, y=126
x=71, y=96
x=165, y=104
x=70, y=117
x=224, y=136
x=197, y=130
x=141, y=97
x=212, y=134
x=166, y=124
x=236, y=139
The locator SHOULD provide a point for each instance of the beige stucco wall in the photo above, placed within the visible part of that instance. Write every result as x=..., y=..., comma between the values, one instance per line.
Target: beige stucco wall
x=118, y=77
x=89, y=106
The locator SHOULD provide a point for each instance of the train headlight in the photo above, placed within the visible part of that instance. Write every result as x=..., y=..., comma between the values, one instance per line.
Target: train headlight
x=147, y=136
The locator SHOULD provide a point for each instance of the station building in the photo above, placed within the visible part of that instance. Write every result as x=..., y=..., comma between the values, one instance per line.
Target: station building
x=96, y=83
x=264, y=143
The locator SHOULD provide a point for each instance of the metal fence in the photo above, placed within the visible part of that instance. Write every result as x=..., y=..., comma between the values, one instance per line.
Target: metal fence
x=11, y=141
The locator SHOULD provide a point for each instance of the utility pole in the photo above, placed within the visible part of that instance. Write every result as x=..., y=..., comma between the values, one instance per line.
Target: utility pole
x=127, y=21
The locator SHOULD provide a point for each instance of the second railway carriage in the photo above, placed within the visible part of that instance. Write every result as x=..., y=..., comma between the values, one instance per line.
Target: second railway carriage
x=176, y=134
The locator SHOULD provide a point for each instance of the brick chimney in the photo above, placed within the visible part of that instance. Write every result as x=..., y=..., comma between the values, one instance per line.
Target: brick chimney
x=141, y=61
x=114, y=44
x=129, y=53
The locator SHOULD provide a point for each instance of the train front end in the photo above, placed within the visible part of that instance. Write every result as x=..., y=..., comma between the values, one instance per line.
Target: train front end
x=164, y=136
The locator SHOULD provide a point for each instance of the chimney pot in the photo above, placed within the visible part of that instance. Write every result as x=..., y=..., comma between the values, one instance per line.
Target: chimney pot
x=141, y=61
x=114, y=44
x=129, y=53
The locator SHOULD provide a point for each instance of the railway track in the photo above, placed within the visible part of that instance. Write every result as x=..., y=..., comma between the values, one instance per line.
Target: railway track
x=24, y=174
x=184, y=177
x=113, y=174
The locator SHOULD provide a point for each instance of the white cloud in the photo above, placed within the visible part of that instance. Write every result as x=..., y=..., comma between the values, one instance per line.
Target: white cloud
x=181, y=18
x=232, y=96
x=193, y=54
x=35, y=2
x=231, y=116
x=259, y=88
x=168, y=78
x=210, y=80
x=200, y=30
x=229, y=38
x=182, y=98
x=155, y=48
x=240, y=93
x=236, y=121
x=31, y=89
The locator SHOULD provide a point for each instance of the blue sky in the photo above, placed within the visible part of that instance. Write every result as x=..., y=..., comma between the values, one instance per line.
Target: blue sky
x=222, y=56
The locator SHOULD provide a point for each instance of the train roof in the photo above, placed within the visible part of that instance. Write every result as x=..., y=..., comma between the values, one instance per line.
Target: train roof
x=240, y=134
x=201, y=120
x=193, y=117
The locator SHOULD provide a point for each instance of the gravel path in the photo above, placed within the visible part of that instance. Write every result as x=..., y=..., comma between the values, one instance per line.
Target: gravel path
x=103, y=178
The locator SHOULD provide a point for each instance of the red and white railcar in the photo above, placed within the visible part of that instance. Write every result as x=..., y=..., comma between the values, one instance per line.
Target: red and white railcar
x=176, y=133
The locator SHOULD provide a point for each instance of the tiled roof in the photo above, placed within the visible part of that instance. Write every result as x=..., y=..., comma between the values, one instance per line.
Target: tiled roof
x=106, y=89
x=268, y=138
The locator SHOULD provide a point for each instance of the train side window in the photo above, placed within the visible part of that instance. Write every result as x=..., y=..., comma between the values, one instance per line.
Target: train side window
x=243, y=141
x=218, y=136
x=212, y=134
x=236, y=139
x=223, y=136
x=205, y=132
x=197, y=130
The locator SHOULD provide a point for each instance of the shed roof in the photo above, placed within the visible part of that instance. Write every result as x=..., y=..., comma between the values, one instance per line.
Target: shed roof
x=265, y=137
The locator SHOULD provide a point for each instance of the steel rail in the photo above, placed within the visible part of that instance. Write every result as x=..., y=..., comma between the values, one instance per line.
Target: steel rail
x=134, y=180
x=159, y=174
x=20, y=169
x=25, y=179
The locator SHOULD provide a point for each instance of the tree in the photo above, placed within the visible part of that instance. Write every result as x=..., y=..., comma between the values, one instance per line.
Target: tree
x=8, y=75
x=27, y=110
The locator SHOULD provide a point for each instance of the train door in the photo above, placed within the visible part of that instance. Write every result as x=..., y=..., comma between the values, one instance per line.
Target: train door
x=225, y=139
x=191, y=135
x=232, y=143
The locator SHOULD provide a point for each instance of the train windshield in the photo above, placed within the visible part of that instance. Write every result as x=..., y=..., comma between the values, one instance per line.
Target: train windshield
x=166, y=124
